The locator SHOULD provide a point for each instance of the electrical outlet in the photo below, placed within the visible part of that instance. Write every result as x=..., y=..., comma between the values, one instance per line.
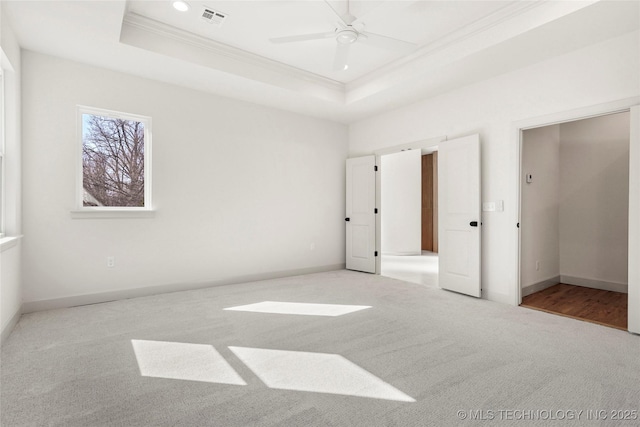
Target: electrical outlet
x=111, y=261
x=537, y=265
x=312, y=247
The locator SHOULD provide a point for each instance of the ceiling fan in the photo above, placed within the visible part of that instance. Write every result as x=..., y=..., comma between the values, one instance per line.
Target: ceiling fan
x=348, y=31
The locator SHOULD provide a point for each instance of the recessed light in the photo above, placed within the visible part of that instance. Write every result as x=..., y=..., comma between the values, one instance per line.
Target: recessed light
x=345, y=67
x=181, y=5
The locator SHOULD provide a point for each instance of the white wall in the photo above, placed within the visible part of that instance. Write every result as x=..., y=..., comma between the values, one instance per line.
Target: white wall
x=594, y=201
x=594, y=75
x=540, y=204
x=10, y=253
x=401, y=192
x=10, y=288
x=240, y=190
x=634, y=226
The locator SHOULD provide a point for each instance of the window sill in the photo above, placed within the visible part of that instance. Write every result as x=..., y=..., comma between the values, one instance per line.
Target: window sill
x=8, y=242
x=112, y=214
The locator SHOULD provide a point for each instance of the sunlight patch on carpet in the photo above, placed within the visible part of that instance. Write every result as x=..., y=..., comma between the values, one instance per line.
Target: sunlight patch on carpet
x=306, y=309
x=183, y=361
x=315, y=372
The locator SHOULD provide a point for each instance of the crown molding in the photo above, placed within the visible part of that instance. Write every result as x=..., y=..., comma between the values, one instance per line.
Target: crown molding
x=146, y=33
x=505, y=23
x=450, y=39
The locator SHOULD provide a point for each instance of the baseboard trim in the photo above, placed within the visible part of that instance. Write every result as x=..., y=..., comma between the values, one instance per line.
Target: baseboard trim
x=595, y=284
x=86, y=299
x=540, y=286
x=11, y=324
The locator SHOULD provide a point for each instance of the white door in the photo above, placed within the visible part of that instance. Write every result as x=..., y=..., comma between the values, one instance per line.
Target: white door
x=360, y=217
x=459, y=215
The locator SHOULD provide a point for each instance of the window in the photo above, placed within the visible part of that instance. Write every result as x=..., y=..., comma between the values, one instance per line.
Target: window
x=115, y=161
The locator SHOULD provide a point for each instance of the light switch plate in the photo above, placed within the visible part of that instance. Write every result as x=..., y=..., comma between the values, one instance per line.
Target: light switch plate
x=489, y=206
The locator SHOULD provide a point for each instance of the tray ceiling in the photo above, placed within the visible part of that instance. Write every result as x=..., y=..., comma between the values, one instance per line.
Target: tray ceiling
x=457, y=43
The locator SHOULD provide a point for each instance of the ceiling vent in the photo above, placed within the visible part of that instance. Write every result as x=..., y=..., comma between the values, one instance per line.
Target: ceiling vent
x=214, y=17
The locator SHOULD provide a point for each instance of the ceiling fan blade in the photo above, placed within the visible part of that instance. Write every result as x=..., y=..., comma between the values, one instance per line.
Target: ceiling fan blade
x=341, y=57
x=384, y=42
x=303, y=37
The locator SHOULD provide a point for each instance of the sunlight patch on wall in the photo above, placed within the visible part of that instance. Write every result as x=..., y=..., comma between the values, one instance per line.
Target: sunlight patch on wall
x=183, y=361
x=306, y=309
x=315, y=372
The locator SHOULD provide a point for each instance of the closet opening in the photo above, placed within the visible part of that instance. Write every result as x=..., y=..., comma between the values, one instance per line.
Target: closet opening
x=574, y=219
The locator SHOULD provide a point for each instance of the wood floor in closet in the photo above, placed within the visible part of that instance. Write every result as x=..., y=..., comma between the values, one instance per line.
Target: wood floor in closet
x=592, y=305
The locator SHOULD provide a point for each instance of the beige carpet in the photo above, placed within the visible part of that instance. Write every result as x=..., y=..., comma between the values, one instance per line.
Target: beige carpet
x=419, y=356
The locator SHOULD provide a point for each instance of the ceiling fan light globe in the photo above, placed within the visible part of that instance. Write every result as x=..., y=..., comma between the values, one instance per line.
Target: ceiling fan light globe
x=347, y=36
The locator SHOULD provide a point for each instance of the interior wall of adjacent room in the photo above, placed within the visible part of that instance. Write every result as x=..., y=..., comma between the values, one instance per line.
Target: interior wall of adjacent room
x=540, y=206
x=239, y=189
x=594, y=200
x=10, y=257
x=604, y=72
x=401, y=203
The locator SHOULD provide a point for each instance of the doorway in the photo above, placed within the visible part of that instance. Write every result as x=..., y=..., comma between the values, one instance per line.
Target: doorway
x=409, y=216
x=459, y=219
x=574, y=201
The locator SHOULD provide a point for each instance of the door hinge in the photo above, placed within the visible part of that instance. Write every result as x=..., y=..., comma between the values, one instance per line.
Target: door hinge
x=376, y=253
x=375, y=168
x=375, y=210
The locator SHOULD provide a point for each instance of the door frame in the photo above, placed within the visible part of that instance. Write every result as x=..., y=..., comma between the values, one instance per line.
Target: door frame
x=428, y=144
x=518, y=127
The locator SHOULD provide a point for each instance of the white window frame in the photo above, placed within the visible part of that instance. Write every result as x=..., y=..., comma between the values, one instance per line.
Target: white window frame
x=82, y=211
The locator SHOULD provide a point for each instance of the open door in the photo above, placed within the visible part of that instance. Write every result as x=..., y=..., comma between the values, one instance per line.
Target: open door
x=459, y=213
x=360, y=216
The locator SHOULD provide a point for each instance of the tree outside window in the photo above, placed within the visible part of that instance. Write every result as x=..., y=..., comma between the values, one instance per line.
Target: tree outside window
x=113, y=161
